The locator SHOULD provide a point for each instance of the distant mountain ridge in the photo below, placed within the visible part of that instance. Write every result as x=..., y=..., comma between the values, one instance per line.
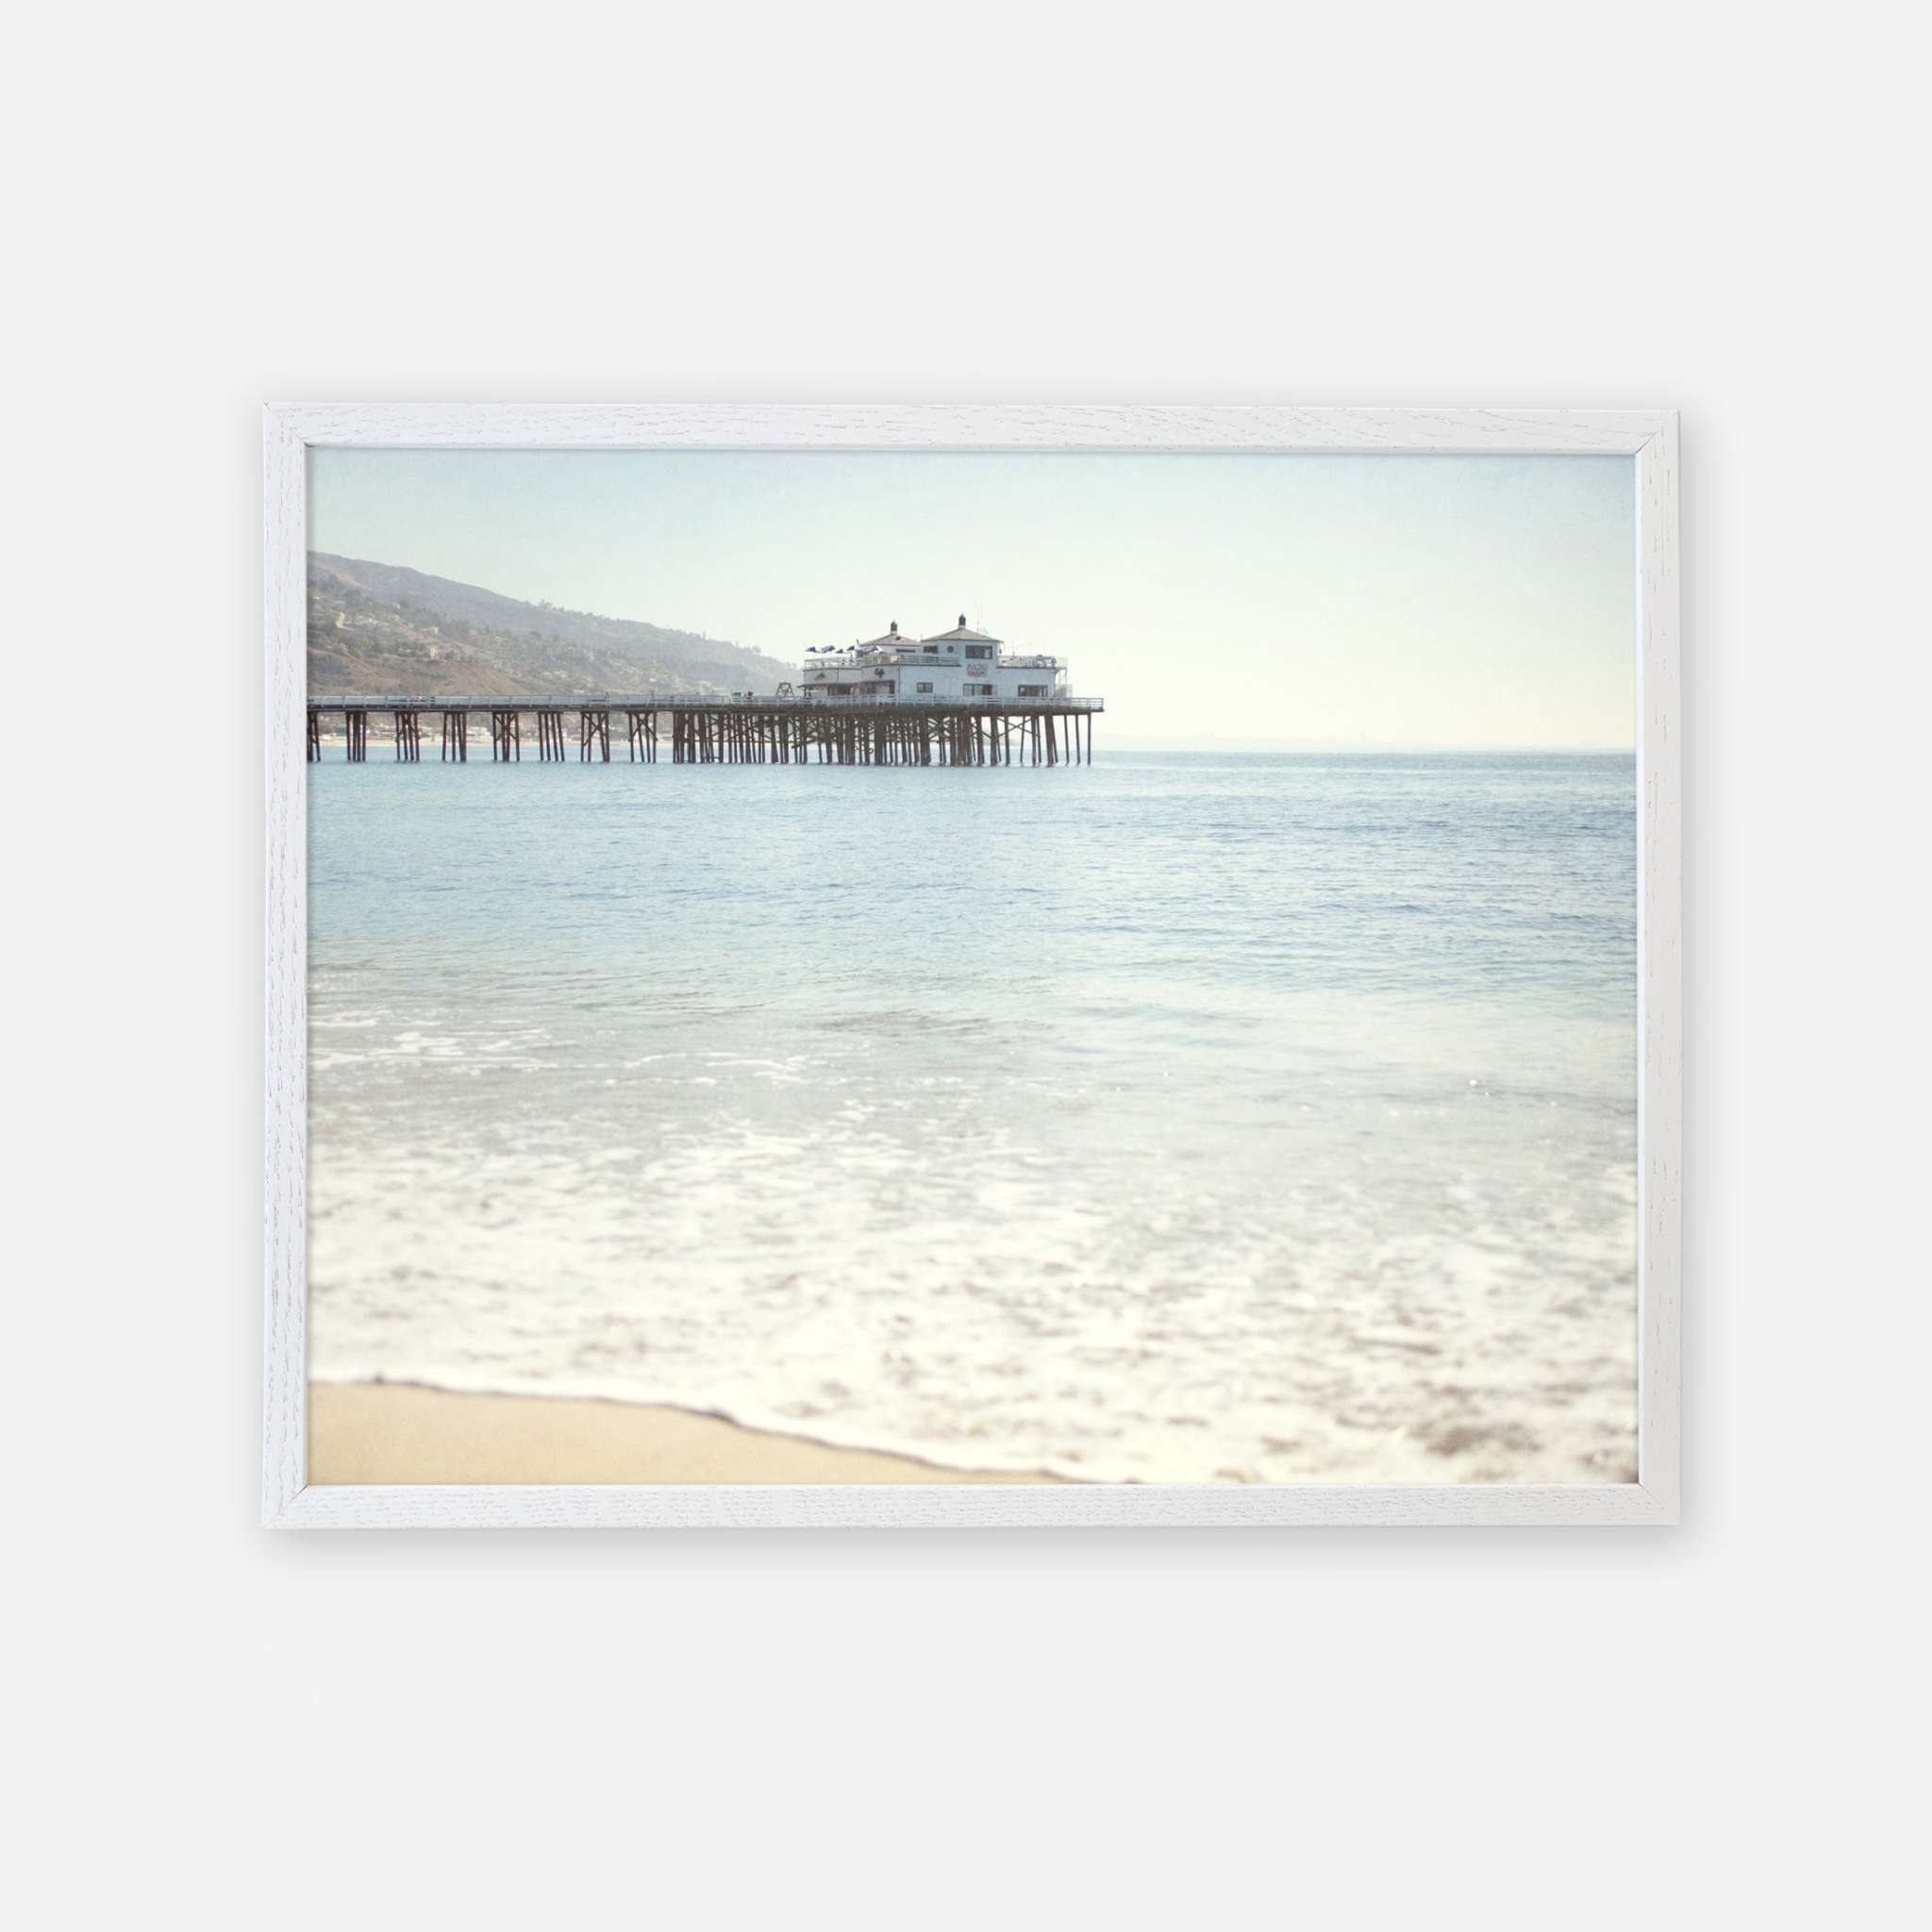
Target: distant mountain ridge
x=376, y=627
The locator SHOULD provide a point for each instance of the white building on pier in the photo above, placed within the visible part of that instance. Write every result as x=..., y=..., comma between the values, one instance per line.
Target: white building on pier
x=958, y=666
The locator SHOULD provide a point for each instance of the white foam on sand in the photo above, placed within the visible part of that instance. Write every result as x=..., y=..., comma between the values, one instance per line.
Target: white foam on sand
x=1153, y=1322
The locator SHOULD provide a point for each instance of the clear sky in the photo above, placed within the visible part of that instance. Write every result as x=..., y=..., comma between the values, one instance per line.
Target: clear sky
x=1398, y=600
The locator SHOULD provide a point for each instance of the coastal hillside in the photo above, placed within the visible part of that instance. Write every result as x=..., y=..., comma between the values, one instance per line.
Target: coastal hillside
x=382, y=628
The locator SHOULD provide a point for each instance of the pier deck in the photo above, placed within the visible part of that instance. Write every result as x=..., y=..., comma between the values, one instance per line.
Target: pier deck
x=742, y=730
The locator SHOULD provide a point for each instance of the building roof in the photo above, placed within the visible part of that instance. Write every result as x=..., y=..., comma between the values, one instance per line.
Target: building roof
x=961, y=636
x=891, y=641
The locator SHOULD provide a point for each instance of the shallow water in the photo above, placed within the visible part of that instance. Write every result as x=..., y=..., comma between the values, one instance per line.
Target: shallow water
x=1183, y=1117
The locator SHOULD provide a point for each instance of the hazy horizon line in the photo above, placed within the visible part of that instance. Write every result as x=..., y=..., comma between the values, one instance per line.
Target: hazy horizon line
x=1134, y=741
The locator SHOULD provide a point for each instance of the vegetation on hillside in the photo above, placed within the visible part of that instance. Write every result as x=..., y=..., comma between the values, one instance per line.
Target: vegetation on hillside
x=375, y=627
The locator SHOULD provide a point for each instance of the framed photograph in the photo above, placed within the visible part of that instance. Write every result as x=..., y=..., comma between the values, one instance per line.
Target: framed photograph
x=972, y=966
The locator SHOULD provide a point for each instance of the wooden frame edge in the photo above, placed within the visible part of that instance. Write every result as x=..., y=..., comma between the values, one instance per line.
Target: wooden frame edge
x=1650, y=436
x=989, y=1506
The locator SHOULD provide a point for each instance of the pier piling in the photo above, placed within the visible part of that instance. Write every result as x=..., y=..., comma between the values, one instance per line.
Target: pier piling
x=740, y=731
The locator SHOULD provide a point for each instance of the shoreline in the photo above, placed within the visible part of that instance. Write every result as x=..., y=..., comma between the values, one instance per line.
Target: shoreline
x=408, y=1433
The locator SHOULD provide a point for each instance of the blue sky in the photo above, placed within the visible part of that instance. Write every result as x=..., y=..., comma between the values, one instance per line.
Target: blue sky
x=1456, y=601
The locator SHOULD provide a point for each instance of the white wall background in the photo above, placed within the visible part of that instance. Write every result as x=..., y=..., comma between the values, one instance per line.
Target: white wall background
x=1495, y=205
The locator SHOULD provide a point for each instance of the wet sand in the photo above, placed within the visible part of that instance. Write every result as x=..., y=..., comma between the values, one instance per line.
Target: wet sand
x=395, y=1432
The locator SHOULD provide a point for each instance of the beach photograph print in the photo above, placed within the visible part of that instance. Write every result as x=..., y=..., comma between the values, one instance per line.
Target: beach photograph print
x=970, y=968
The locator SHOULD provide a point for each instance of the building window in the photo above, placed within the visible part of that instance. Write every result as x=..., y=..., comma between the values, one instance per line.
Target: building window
x=979, y=650
x=979, y=690
x=1033, y=690
x=922, y=687
x=932, y=650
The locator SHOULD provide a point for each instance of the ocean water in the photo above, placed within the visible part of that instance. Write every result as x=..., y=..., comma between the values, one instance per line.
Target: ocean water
x=1184, y=1117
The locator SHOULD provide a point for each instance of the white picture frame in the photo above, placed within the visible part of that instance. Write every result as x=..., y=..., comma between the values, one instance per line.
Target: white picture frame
x=1648, y=435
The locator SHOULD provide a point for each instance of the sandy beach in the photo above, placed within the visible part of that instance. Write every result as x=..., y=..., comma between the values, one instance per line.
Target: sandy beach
x=393, y=1432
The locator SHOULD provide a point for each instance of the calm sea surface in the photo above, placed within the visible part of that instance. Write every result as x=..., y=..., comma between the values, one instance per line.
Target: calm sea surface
x=1184, y=1117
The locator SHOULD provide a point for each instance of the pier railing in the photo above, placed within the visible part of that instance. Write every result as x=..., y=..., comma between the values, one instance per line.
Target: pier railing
x=653, y=701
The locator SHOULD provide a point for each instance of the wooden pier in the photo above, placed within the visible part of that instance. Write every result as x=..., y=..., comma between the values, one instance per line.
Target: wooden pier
x=732, y=731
